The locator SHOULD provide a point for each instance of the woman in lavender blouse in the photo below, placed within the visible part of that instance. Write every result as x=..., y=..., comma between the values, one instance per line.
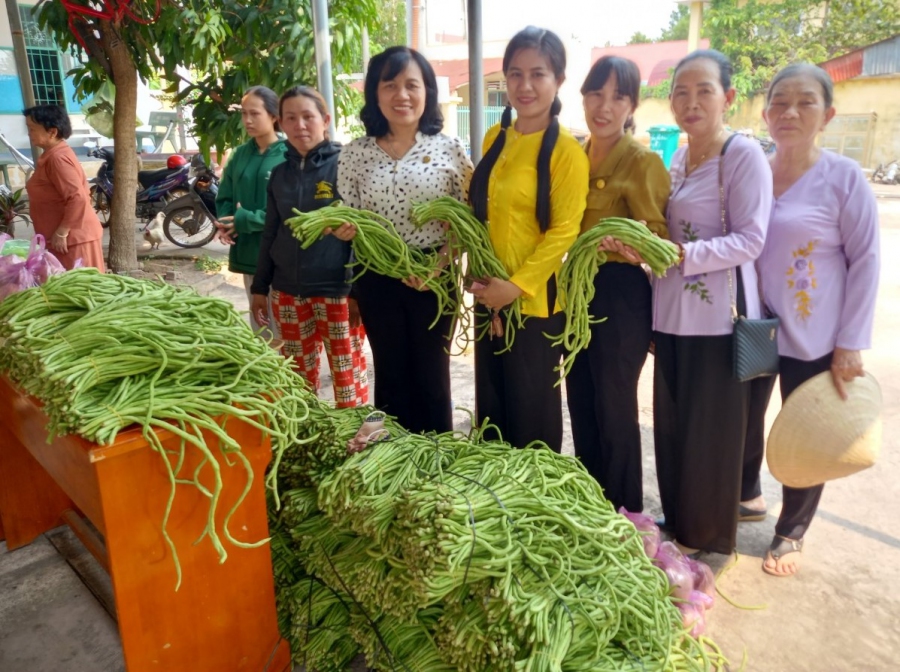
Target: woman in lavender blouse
x=699, y=409
x=819, y=272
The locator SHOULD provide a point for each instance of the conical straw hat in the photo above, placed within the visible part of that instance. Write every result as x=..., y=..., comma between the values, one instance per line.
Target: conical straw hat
x=818, y=436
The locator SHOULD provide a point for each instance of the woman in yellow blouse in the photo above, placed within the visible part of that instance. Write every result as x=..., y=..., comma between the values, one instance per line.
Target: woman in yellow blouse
x=530, y=190
x=627, y=180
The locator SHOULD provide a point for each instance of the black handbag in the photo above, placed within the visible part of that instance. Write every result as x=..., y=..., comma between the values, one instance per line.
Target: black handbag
x=755, y=342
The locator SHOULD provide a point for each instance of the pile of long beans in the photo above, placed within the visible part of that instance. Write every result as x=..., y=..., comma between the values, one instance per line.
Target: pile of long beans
x=104, y=352
x=468, y=238
x=576, y=277
x=457, y=553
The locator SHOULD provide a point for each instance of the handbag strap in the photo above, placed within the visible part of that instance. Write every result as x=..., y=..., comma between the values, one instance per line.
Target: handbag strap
x=736, y=311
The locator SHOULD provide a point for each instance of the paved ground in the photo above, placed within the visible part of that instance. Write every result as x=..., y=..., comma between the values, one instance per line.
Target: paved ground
x=839, y=614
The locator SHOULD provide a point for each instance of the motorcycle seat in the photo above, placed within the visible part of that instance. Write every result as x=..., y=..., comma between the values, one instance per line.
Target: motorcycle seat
x=150, y=177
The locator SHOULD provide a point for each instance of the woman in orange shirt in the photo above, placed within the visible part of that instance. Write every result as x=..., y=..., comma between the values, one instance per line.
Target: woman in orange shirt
x=59, y=200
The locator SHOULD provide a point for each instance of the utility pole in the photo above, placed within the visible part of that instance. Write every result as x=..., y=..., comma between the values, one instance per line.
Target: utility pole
x=476, y=81
x=365, y=50
x=20, y=52
x=323, y=57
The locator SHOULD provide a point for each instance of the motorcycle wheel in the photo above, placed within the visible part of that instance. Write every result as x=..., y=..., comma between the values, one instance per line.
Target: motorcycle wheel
x=188, y=227
x=100, y=203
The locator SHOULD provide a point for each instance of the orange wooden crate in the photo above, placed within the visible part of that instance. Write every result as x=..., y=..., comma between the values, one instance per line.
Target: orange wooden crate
x=223, y=617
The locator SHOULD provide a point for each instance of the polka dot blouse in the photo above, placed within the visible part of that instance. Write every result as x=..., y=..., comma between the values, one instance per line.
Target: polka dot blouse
x=370, y=179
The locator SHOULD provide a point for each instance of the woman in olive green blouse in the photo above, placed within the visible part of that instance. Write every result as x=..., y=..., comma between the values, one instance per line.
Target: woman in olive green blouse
x=627, y=180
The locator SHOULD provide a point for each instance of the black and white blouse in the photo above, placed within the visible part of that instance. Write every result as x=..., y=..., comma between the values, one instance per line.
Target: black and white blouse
x=370, y=179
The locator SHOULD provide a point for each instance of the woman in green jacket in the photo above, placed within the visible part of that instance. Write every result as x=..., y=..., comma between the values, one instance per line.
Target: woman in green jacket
x=241, y=203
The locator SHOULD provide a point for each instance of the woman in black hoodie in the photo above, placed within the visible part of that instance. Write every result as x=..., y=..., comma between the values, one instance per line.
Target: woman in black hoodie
x=310, y=287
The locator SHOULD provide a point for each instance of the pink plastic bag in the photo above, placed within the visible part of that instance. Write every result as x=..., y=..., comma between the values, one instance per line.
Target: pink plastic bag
x=17, y=274
x=692, y=617
x=704, y=579
x=648, y=529
x=674, y=564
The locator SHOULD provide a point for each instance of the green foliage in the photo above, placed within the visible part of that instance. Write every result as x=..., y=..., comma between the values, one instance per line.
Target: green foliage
x=639, y=38
x=209, y=264
x=660, y=90
x=679, y=24
x=760, y=37
x=13, y=206
x=231, y=45
x=389, y=28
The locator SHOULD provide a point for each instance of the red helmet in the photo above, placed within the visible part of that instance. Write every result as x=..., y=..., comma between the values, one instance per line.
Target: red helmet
x=175, y=161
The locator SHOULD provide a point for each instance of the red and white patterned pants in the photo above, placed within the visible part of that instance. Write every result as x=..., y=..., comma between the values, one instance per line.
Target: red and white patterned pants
x=308, y=324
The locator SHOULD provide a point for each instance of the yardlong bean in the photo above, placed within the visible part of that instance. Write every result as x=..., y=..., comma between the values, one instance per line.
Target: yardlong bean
x=576, y=277
x=472, y=258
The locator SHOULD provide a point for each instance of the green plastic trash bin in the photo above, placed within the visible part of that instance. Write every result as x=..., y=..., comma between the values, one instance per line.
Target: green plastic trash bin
x=664, y=141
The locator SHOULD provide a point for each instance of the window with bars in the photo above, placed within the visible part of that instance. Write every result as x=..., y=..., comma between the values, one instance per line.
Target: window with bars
x=44, y=61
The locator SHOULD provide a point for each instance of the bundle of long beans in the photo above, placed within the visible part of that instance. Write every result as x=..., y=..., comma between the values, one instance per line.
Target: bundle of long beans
x=377, y=247
x=104, y=352
x=468, y=238
x=576, y=277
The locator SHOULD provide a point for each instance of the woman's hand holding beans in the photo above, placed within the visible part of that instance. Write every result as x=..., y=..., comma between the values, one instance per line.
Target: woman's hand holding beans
x=345, y=232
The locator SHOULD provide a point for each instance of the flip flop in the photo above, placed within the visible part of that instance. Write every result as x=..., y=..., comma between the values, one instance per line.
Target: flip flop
x=780, y=547
x=748, y=515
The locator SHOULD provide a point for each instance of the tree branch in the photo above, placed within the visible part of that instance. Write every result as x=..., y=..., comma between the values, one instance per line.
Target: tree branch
x=88, y=34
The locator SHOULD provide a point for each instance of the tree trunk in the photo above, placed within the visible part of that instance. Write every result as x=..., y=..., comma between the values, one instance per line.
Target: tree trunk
x=122, y=251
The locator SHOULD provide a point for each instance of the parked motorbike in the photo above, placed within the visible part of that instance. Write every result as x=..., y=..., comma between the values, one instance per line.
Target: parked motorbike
x=887, y=174
x=190, y=221
x=156, y=188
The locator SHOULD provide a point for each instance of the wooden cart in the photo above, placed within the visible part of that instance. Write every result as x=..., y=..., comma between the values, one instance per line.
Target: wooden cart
x=223, y=618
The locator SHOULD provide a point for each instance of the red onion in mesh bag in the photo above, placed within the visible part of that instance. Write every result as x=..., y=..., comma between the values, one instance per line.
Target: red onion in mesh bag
x=674, y=564
x=648, y=529
x=704, y=579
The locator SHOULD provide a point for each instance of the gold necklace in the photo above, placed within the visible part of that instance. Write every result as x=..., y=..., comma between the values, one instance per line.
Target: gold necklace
x=692, y=166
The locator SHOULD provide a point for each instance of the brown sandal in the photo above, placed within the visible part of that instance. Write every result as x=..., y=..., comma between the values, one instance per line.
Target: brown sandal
x=780, y=547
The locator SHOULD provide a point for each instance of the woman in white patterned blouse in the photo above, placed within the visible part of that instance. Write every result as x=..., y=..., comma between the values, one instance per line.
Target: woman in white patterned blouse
x=404, y=159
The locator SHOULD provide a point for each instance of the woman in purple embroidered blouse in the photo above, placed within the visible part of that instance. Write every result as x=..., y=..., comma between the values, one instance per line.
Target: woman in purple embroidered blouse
x=700, y=410
x=819, y=273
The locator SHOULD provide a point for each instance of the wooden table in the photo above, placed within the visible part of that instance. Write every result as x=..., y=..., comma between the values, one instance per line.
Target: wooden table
x=223, y=618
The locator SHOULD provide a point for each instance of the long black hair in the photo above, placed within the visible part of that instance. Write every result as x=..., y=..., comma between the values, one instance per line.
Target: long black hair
x=383, y=68
x=551, y=47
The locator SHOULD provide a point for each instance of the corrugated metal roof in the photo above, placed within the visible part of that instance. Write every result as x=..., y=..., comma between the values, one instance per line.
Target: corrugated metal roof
x=845, y=67
x=882, y=58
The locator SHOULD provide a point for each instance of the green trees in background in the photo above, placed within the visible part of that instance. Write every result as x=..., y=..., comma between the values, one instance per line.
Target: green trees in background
x=228, y=46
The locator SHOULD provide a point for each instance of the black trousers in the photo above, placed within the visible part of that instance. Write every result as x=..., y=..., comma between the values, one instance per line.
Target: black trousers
x=700, y=421
x=798, y=505
x=412, y=364
x=515, y=390
x=601, y=388
x=754, y=445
